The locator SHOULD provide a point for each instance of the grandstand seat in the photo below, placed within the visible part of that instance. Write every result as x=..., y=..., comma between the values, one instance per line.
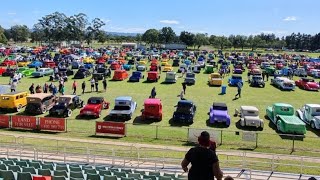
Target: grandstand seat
x=14, y=168
x=134, y=175
x=22, y=163
x=140, y=172
x=109, y=177
x=86, y=167
x=152, y=177
x=98, y=168
x=44, y=172
x=36, y=165
x=154, y=173
x=119, y=174
x=114, y=169
x=93, y=176
x=169, y=175
x=164, y=178
x=76, y=174
x=104, y=172
x=58, y=178
x=75, y=169
x=127, y=171
x=181, y=178
x=8, y=162
x=74, y=165
x=24, y=176
x=76, y=178
x=3, y=159
x=62, y=168
x=125, y=178
x=31, y=170
x=47, y=166
x=3, y=167
x=90, y=171
x=60, y=173
x=7, y=175
x=13, y=159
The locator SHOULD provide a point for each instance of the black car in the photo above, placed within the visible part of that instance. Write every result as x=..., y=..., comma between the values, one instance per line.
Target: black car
x=82, y=73
x=65, y=104
x=9, y=72
x=257, y=81
x=101, y=73
x=185, y=112
x=176, y=62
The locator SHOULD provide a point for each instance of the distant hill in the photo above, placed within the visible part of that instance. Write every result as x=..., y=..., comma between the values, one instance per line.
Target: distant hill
x=121, y=34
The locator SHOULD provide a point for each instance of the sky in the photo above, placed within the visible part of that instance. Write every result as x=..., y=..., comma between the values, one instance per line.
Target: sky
x=223, y=17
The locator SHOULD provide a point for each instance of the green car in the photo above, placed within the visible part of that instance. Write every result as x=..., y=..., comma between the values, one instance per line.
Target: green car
x=270, y=70
x=25, y=71
x=209, y=69
x=283, y=116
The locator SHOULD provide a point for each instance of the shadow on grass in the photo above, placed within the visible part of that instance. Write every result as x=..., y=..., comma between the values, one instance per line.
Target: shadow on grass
x=149, y=81
x=286, y=136
x=82, y=117
x=178, y=124
x=115, y=119
x=167, y=83
x=138, y=121
x=104, y=137
x=216, y=125
x=247, y=128
x=315, y=131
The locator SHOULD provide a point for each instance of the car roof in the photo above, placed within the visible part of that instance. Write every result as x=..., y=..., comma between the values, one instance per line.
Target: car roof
x=152, y=101
x=13, y=93
x=39, y=95
x=220, y=104
x=95, y=98
x=185, y=102
x=236, y=75
x=249, y=108
x=313, y=105
x=171, y=72
x=123, y=98
x=282, y=104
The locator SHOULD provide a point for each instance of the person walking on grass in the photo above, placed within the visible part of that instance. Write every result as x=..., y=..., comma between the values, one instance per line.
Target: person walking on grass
x=31, y=89
x=184, y=87
x=92, y=81
x=83, y=86
x=104, y=83
x=239, y=87
x=153, y=93
x=74, y=87
x=182, y=95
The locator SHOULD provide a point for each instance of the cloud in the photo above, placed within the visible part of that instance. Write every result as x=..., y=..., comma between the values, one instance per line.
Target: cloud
x=290, y=18
x=169, y=22
x=125, y=29
x=12, y=13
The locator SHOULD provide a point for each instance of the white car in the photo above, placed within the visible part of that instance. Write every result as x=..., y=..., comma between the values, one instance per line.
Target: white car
x=283, y=83
x=310, y=114
x=249, y=116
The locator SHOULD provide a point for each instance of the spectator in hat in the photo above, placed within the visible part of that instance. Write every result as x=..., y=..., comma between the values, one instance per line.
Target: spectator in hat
x=204, y=161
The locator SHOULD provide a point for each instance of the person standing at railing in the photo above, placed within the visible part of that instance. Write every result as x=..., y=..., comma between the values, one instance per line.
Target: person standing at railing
x=204, y=161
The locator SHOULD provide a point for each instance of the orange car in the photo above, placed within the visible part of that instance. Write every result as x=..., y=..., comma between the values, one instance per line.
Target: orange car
x=120, y=75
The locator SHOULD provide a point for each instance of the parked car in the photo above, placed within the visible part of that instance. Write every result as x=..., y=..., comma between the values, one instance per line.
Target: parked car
x=153, y=76
x=124, y=107
x=219, y=113
x=167, y=68
x=35, y=64
x=23, y=63
x=185, y=112
x=182, y=66
x=65, y=105
x=8, y=63
x=9, y=72
x=283, y=116
x=40, y=103
x=13, y=100
x=152, y=109
x=94, y=107
x=283, y=83
x=209, y=69
x=115, y=65
x=82, y=73
x=301, y=72
x=256, y=81
x=164, y=62
x=249, y=116
x=88, y=65
x=234, y=80
x=196, y=68
x=171, y=77
x=315, y=73
x=307, y=84
x=215, y=79
x=42, y=72
x=49, y=64
x=120, y=75
x=175, y=62
x=101, y=73
x=136, y=76
x=76, y=65
x=25, y=71
x=190, y=78
x=127, y=67
x=310, y=114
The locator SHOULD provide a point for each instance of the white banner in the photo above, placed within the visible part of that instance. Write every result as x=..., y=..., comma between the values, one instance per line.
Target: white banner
x=195, y=133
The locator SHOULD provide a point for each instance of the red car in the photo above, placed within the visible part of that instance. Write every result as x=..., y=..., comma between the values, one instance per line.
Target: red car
x=100, y=60
x=120, y=75
x=2, y=70
x=154, y=67
x=49, y=64
x=307, y=84
x=115, y=65
x=94, y=107
x=152, y=109
x=153, y=76
x=8, y=62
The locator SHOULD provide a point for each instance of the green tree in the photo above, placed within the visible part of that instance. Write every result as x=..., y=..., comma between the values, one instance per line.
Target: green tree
x=3, y=38
x=167, y=35
x=221, y=42
x=201, y=39
x=102, y=37
x=241, y=41
x=187, y=37
x=254, y=42
x=20, y=33
x=151, y=36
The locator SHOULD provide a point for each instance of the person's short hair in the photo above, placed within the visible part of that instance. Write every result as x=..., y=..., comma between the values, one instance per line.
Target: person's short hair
x=204, y=139
x=228, y=178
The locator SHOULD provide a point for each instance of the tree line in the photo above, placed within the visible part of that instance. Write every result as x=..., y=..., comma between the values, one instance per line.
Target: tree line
x=58, y=27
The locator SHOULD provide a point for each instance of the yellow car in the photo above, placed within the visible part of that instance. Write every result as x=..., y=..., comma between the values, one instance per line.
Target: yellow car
x=142, y=62
x=167, y=68
x=23, y=63
x=215, y=79
x=88, y=60
x=14, y=100
x=164, y=62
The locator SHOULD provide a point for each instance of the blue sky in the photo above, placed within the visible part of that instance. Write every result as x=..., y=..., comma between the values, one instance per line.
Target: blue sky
x=222, y=17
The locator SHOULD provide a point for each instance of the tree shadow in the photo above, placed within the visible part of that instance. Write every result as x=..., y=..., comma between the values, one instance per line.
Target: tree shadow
x=178, y=124
x=216, y=125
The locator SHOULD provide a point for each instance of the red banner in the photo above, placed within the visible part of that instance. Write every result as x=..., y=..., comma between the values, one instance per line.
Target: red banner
x=108, y=127
x=4, y=121
x=52, y=124
x=24, y=122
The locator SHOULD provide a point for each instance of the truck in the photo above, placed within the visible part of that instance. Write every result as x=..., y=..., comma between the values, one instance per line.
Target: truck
x=124, y=108
x=283, y=116
x=310, y=114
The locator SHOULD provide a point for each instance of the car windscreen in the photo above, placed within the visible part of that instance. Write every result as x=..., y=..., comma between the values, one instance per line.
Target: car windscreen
x=316, y=112
x=222, y=108
x=121, y=108
x=94, y=101
x=184, y=108
x=190, y=75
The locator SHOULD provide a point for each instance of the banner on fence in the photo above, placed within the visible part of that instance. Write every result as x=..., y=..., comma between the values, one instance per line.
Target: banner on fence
x=24, y=122
x=193, y=135
x=249, y=136
x=111, y=128
x=4, y=121
x=52, y=124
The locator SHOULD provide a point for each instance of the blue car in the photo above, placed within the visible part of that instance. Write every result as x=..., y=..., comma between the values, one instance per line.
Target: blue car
x=233, y=81
x=136, y=76
x=88, y=65
x=187, y=62
x=35, y=64
x=127, y=67
x=185, y=112
x=110, y=61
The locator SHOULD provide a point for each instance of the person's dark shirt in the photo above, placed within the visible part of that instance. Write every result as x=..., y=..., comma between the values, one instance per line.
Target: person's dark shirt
x=202, y=160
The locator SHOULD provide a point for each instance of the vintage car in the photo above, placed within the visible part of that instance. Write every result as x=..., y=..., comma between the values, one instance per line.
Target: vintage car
x=49, y=64
x=249, y=116
x=2, y=70
x=209, y=69
x=215, y=79
x=35, y=64
x=182, y=66
x=171, y=77
x=307, y=84
x=136, y=76
x=270, y=70
x=101, y=73
x=141, y=66
x=153, y=67
x=124, y=108
x=88, y=60
x=115, y=65
x=234, y=80
x=187, y=62
x=42, y=72
x=218, y=112
x=65, y=104
x=301, y=72
x=40, y=103
x=76, y=64
x=8, y=63
x=283, y=83
x=164, y=62
x=167, y=68
x=120, y=75
x=153, y=76
x=264, y=65
x=283, y=116
x=94, y=107
x=25, y=71
x=88, y=65
x=9, y=72
x=185, y=112
x=237, y=71
x=256, y=81
x=175, y=62
x=190, y=78
x=310, y=114
x=196, y=68
x=13, y=100
x=315, y=73
x=82, y=73
x=127, y=67
x=23, y=63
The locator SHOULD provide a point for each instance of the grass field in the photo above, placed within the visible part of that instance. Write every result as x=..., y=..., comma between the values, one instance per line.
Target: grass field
x=165, y=132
